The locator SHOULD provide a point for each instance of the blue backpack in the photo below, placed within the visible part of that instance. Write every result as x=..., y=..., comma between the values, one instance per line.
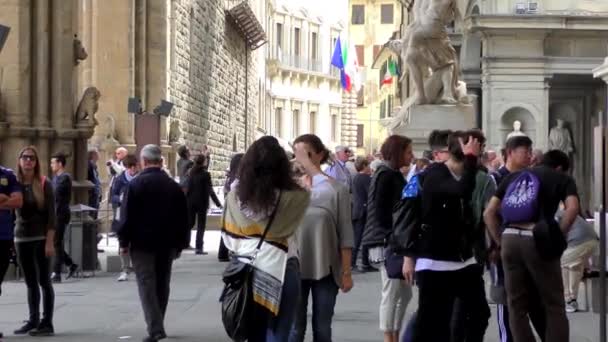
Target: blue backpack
x=520, y=203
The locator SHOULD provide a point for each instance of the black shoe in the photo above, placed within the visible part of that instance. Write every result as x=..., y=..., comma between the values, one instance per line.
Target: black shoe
x=29, y=326
x=200, y=252
x=56, y=277
x=73, y=269
x=155, y=338
x=44, y=329
x=223, y=259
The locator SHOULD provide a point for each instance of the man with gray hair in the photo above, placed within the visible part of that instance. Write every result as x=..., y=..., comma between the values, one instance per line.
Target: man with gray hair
x=154, y=229
x=338, y=170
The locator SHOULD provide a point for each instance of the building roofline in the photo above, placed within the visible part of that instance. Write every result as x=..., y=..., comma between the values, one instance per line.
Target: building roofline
x=535, y=22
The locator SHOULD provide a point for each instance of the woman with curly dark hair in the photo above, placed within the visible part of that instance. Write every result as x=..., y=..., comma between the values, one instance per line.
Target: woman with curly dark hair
x=326, y=240
x=266, y=195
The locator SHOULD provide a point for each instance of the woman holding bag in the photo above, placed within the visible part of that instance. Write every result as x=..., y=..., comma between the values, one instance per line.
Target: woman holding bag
x=265, y=189
x=384, y=193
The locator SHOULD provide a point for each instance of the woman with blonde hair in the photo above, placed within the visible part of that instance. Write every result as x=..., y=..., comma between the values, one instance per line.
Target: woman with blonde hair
x=34, y=238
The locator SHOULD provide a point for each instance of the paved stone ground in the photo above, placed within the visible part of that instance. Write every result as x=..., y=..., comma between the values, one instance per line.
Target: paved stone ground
x=100, y=309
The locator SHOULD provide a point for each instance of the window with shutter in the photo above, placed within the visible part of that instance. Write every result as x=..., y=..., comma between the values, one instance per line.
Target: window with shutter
x=360, y=54
x=358, y=15
x=386, y=14
x=278, y=113
x=361, y=97
x=377, y=49
x=360, y=130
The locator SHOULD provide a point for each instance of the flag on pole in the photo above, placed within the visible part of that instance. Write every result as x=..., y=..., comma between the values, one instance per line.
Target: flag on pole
x=338, y=60
x=345, y=60
x=391, y=72
x=351, y=68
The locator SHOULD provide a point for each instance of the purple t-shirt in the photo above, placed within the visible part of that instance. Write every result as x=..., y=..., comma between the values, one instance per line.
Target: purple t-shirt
x=8, y=186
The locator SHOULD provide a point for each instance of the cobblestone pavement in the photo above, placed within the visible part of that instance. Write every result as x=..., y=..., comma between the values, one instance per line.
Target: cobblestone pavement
x=101, y=309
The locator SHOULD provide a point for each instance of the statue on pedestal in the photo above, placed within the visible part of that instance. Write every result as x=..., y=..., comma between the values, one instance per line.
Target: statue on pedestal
x=426, y=46
x=431, y=59
x=516, y=130
x=559, y=138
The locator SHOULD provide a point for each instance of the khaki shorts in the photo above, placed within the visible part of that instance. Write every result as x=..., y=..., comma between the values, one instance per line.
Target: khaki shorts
x=574, y=256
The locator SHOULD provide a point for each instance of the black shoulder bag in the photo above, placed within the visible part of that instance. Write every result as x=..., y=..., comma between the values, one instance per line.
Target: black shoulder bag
x=237, y=296
x=548, y=237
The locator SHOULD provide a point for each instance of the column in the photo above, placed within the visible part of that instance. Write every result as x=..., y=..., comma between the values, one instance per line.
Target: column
x=62, y=67
x=41, y=60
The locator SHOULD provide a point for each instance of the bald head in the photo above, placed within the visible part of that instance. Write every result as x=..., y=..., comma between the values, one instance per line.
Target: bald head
x=121, y=153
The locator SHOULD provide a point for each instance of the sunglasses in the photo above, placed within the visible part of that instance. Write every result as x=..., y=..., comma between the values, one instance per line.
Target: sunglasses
x=27, y=157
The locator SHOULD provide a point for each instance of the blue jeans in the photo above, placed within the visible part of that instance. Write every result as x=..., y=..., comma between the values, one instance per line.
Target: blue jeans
x=278, y=328
x=324, y=294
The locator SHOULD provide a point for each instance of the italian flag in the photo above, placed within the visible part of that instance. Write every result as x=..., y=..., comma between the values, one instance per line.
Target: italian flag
x=391, y=72
x=345, y=60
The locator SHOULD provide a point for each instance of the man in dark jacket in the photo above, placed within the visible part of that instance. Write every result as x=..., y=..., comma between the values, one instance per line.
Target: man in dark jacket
x=62, y=188
x=154, y=229
x=360, y=189
x=93, y=177
x=10, y=199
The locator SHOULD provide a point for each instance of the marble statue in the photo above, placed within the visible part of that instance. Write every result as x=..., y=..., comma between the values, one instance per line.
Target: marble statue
x=516, y=130
x=559, y=138
x=428, y=53
x=80, y=53
x=88, y=106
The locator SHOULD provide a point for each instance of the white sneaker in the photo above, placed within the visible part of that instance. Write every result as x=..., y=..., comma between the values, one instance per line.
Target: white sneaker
x=124, y=276
x=571, y=306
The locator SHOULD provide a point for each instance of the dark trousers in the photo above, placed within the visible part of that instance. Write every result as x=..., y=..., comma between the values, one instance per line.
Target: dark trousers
x=201, y=222
x=527, y=275
x=408, y=335
x=324, y=294
x=277, y=329
x=359, y=227
x=5, y=257
x=35, y=267
x=61, y=257
x=438, y=292
x=153, y=272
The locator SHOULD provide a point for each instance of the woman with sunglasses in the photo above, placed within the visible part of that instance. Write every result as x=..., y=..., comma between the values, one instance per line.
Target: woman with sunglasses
x=34, y=236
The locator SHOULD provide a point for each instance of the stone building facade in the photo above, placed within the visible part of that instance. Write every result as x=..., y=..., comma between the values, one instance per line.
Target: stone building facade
x=532, y=61
x=304, y=94
x=189, y=52
x=371, y=24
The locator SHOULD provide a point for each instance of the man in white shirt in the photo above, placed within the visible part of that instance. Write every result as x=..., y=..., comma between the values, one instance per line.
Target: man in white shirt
x=339, y=170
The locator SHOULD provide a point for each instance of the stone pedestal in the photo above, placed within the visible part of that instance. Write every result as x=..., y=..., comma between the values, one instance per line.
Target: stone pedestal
x=418, y=121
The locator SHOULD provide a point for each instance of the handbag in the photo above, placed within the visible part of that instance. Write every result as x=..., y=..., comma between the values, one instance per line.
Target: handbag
x=237, y=296
x=393, y=264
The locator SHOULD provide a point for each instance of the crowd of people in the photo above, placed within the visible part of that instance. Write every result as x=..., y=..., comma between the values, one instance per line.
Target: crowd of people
x=438, y=222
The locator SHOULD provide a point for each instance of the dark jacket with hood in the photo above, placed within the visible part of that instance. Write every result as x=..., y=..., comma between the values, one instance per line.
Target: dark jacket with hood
x=384, y=194
x=440, y=224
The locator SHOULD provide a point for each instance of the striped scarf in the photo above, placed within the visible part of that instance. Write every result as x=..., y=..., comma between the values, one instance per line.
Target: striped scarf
x=241, y=235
